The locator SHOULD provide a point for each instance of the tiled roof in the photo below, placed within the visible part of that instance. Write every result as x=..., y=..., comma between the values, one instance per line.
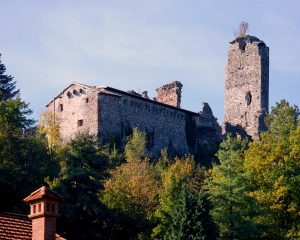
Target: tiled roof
x=42, y=192
x=14, y=226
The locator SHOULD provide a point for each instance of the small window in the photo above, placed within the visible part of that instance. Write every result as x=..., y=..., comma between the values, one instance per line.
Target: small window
x=61, y=107
x=248, y=98
x=69, y=94
x=53, y=207
x=86, y=100
x=34, y=209
x=81, y=91
x=80, y=123
x=75, y=92
x=39, y=207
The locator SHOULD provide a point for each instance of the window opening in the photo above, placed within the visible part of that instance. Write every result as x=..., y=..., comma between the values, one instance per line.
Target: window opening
x=80, y=123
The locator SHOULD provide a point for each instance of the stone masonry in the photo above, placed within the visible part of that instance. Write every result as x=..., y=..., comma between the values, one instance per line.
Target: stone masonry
x=111, y=114
x=170, y=94
x=246, y=86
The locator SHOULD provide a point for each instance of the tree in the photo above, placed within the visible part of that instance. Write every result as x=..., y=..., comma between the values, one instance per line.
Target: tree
x=7, y=84
x=24, y=161
x=83, y=170
x=183, y=212
x=23, y=169
x=227, y=186
x=273, y=168
x=49, y=126
x=132, y=191
x=136, y=146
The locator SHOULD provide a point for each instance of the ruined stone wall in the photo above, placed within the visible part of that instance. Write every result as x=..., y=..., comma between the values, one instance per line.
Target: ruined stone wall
x=76, y=109
x=170, y=94
x=112, y=114
x=246, y=86
x=164, y=126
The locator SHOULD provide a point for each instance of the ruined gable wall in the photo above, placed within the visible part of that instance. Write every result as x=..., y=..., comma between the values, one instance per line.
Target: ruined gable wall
x=170, y=94
x=76, y=107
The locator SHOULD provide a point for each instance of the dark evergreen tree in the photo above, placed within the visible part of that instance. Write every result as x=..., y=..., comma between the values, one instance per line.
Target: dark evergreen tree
x=183, y=212
x=79, y=182
x=7, y=84
x=233, y=210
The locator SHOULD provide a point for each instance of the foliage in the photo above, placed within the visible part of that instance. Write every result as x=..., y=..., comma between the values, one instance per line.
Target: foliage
x=183, y=212
x=132, y=190
x=24, y=161
x=80, y=180
x=7, y=84
x=136, y=146
x=49, y=126
x=23, y=166
x=273, y=167
x=232, y=209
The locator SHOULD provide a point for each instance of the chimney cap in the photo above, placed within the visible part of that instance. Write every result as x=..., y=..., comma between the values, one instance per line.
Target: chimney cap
x=42, y=193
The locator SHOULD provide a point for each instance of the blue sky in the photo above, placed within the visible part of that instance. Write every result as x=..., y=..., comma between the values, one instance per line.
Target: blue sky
x=141, y=44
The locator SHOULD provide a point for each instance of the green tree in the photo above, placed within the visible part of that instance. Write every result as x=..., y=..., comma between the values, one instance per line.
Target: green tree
x=49, y=127
x=273, y=167
x=132, y=191
x=7, y=84
x=136, y=146
x=232, y=209
x=83, y=170
x=183, y=212
x=24, y=161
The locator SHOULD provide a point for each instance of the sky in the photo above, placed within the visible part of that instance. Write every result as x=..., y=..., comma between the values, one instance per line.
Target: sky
x=143, y=44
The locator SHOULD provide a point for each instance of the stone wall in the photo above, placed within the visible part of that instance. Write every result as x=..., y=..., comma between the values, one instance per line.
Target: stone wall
x=170, y=94
x=165, y=126
x=76, y=109
x=246, y=86
x=111, y=114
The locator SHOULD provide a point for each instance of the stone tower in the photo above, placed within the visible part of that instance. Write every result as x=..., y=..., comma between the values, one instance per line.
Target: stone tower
x=246, y=86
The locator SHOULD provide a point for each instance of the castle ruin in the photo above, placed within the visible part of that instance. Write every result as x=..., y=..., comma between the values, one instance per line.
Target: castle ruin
x=111, y=114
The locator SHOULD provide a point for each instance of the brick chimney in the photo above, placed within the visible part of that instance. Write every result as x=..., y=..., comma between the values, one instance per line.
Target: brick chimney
x=43, y=212
x=170, y=94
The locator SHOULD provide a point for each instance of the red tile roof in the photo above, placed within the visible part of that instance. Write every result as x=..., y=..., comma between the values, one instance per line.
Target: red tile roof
x=41, y=193
x=15, y=226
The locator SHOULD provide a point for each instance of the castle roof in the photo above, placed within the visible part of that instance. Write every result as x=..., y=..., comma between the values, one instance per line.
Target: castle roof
x=117, y=92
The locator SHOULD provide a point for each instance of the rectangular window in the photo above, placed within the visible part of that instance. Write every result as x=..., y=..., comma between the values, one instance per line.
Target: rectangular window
x=80, y=123
x=34, y=209
x=86, y=100
x=61, y=107
x=40, y=207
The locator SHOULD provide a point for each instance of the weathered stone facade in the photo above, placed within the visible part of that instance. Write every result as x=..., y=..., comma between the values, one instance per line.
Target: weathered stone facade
x=246, y=86
x=112, y=114
x=170, y=94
